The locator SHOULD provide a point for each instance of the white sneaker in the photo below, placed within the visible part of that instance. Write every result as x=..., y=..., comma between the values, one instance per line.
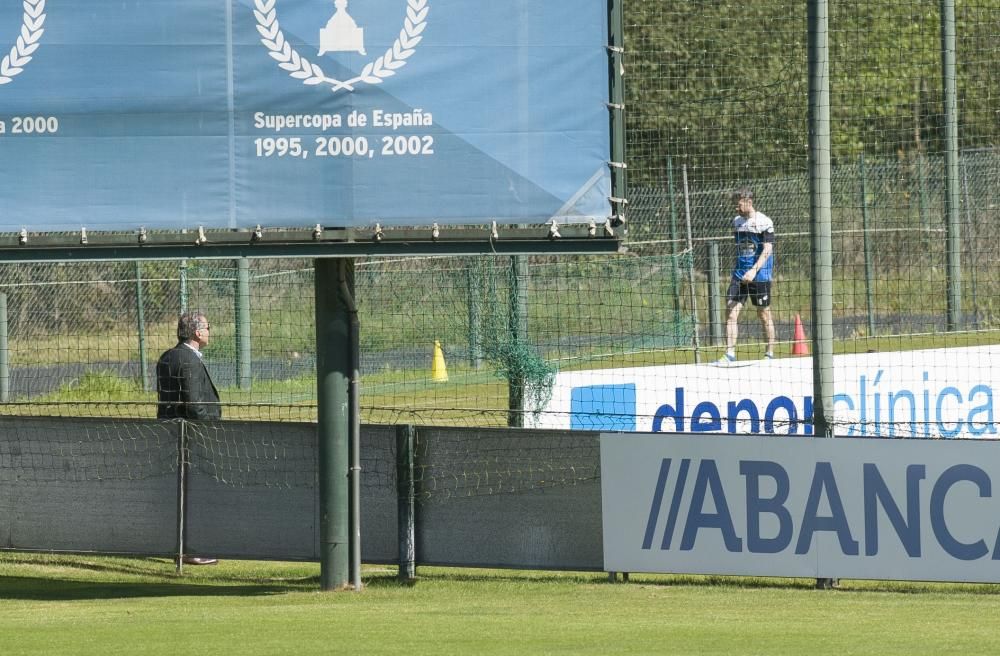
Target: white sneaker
x=769, y=356
x=726, y=359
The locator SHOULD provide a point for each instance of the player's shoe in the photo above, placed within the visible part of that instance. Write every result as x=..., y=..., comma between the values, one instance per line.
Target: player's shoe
x=769, y=356
x=726, y=359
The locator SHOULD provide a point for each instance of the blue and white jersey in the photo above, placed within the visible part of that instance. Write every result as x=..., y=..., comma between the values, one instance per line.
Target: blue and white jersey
x=751, y=235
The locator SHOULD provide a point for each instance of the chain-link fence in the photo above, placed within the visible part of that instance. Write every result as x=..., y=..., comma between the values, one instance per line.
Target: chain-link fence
x=84, y=338
x=717, y=98
x=889, y=232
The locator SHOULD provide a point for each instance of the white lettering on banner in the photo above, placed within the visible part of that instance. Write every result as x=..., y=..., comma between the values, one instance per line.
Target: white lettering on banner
x=395, y=120
x=279, y=122
x=29, y=125
x=928, y=393
x=347, y=145
x=769, y=506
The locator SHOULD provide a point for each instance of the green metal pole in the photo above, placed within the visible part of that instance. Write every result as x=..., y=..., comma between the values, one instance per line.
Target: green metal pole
x=673, y=205
x=183, y=459
x=951, y=196
x=518, y=326
x=184, y=286
x=140, y=317
x=867, y=241
x=714, y=297
x=405, y=503
x=974, y=239
x=474, y=283
x=691, y=276
x=243, y=352
x=675, y=292
x=333, y=371
x=616, y=91
x=4, y=352
x=820, y=212
x=925, y=221
x=354, y=425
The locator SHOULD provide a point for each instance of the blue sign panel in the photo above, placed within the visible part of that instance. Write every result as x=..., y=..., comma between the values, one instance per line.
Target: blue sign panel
x=603, y=407
x=173, y=114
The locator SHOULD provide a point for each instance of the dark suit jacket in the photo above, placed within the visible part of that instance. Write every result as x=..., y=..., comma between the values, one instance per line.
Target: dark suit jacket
x=185, y=388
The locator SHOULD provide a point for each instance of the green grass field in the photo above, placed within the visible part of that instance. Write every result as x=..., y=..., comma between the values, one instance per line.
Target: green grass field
x=54, y=604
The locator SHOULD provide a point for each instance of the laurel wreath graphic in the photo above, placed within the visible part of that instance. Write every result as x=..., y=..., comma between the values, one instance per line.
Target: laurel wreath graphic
x=374, y=71
x=27, y=41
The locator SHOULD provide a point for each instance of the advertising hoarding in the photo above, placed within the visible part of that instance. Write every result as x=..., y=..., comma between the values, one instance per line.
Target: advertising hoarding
x=180, y=114
x=818, y=508
x=925, y=393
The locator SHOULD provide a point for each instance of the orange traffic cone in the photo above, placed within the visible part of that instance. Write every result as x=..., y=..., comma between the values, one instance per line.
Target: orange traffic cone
x=799, y=345
x=439, y=372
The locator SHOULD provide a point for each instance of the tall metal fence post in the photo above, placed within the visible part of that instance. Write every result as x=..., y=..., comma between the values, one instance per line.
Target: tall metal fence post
x=518, y=326
x=184, y=285
x=690, y=248
x=333, y=365
x=951, y=195
x=4, y=352
x=406, y=506
x=474, y=285
x=675, y=270
x=925, y=220
x=182, y=470
x=243, y=351
x=821, y=219
x=714, y=297
x=973, y=242
x=821, y=215
x=140, y=317
x=354, y=419
x=867, y=241
x=616, y=113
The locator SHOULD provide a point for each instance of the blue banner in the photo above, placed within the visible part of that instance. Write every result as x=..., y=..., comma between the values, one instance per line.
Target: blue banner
x=174, y=114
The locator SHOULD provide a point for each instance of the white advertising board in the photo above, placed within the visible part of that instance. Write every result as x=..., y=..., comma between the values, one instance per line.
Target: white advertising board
x=927, y=393
x=825, y=508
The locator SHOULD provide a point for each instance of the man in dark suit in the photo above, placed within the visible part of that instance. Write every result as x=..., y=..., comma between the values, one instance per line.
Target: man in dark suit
x=185, y=389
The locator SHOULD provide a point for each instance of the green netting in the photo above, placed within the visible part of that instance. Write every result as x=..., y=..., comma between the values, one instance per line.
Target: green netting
x=83, y=338
x=717, y=98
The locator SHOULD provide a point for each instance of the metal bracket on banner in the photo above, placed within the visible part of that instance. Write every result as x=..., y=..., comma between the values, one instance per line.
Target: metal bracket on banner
x=618, y=218
x=617, y=50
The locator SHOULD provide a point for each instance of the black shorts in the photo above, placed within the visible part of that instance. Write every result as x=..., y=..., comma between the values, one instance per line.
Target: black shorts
x=759, y=293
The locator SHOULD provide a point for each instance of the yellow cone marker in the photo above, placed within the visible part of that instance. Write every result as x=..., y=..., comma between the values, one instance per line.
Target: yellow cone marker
x=439, y=372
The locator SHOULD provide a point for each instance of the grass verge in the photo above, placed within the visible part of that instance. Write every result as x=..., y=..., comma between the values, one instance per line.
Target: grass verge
x=54, y=604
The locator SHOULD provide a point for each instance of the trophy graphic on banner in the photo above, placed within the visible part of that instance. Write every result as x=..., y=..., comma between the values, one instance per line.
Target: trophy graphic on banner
x=341, y=33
